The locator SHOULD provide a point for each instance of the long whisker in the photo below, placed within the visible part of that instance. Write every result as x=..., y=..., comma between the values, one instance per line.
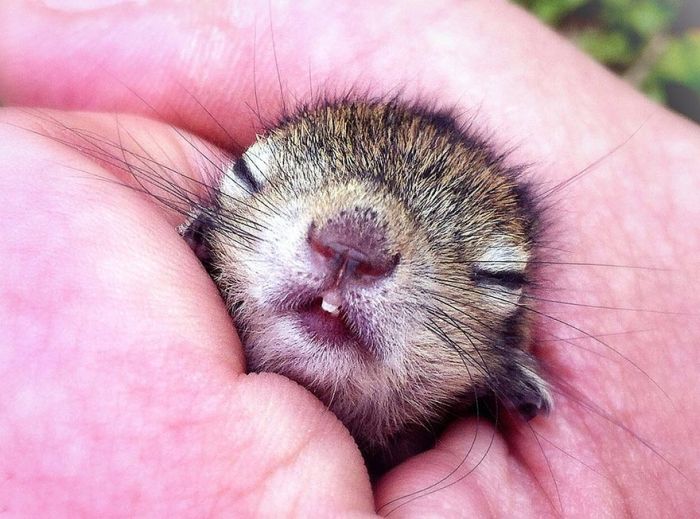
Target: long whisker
x=576, y=328
x=435, y=487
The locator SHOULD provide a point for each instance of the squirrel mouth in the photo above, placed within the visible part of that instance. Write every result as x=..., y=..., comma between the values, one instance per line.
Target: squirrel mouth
x=325, y=325
x=325, y=321
x=332, y=327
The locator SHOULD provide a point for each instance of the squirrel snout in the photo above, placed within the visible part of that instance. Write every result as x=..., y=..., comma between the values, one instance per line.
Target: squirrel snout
x=352, y=251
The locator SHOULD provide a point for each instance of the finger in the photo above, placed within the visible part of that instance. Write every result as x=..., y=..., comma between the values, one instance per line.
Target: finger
x=474, y=471
x=121, y=371
x=243, y=60
x=165, y=164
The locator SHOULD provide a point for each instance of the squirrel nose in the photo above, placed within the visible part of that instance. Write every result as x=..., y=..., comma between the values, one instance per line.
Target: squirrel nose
x=352, y=252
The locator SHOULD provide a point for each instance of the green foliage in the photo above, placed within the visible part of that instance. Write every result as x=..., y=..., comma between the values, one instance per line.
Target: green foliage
x=610, y=47
x=640, y=18
x=552, y=12
x=632, y=37
x=681, y=61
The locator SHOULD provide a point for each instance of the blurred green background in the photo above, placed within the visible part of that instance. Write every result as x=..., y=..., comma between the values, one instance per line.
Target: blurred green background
x=653, y=44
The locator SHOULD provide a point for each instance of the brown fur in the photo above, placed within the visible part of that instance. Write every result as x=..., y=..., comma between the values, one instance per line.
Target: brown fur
x=445, y=328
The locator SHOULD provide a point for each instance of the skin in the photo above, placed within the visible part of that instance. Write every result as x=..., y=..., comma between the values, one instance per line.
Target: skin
x=123, y=380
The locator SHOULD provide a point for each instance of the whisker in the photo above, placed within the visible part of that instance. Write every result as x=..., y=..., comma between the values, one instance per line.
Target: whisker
x=580, y=330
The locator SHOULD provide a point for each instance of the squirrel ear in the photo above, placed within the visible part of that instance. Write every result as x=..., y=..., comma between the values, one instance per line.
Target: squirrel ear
x=523, y=388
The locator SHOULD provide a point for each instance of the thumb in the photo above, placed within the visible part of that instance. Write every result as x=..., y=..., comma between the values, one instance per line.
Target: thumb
x=121, y=373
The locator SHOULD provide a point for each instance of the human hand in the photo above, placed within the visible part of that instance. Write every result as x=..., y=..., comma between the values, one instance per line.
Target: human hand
x=124, y=379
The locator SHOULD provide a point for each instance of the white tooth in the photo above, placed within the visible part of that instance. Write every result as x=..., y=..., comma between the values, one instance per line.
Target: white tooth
x=330, y=307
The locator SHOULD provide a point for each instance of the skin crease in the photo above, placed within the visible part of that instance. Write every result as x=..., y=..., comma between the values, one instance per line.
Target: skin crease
x=121, y=372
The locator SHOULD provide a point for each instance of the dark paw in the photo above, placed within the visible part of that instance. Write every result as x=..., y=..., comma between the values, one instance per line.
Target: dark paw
x=524, y=389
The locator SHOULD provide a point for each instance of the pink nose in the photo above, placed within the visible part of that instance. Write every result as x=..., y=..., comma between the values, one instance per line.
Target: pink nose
x=352, y=251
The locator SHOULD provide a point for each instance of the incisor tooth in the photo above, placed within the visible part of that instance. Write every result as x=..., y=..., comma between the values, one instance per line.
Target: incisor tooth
x=330, y=307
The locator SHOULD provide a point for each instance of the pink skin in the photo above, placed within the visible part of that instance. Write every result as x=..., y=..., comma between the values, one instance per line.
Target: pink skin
x=121, y=374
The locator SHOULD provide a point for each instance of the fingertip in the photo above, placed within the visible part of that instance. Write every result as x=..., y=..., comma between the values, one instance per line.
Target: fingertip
x=307, y=457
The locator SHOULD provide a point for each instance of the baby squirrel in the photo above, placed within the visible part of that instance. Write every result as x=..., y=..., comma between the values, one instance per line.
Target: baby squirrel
x=378, y=254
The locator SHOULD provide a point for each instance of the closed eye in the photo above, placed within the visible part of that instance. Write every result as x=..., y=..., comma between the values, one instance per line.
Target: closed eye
x=244, y=177
x=508, y=279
